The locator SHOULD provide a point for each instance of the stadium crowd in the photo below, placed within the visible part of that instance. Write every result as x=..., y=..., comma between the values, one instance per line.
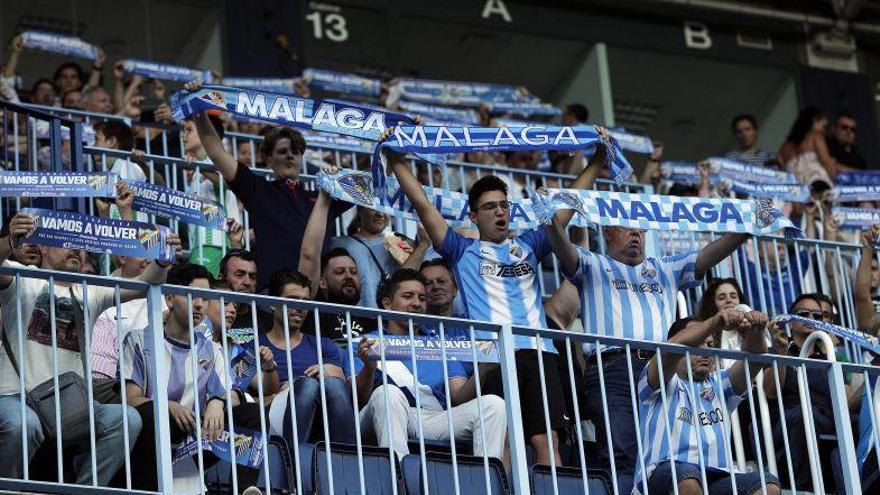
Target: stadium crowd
x=281, y=241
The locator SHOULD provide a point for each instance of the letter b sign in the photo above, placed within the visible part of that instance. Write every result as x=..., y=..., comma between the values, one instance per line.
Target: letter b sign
x=696, y=35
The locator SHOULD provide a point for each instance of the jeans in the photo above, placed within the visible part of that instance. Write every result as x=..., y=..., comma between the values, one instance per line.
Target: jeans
x=618, y=398
x=797, y=442
x=718, y=480
x=307, y=402
x=108, y=440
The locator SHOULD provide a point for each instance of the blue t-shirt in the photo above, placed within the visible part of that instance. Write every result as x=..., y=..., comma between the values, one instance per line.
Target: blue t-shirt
x=431, y=379
x=303, y=355
x=499, y=282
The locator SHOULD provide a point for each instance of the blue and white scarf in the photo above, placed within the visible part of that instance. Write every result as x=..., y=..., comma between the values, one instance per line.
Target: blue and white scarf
x=795, y=193
x=302, y=113
x=865, y=178
x=341, y=82
x=656, y=212
x=59, y=43
x=459, y=93
x=444, y=139
x=274, y=84
x=336, y=142
x=632, y=142
x=855, y=218
x=732, y=169
x=853, y=193
x=525, y=108
x=165, y=72
x=466, y=116
x=671, y=213
x=861, y=339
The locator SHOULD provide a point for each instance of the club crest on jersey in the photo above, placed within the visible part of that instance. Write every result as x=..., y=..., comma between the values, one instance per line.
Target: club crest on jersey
x=708, y=394
x=516, y=251
x=649, y=272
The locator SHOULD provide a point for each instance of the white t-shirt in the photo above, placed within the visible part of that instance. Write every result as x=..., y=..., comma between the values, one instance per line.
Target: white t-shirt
x=36, y=329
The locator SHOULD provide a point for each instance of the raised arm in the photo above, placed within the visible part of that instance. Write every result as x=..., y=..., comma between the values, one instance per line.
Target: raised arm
x=693, y=335
x=753, y=341
x=412, y=188
x=95, y=76
x=14, y=53
x=224, y=162
x=562, y=246
x=828, y=162
x=862, y=293
x=587, y=177
x=716, y=251
x=19, y=226
x=313, y=241
x=415, y=259
x=154, y=273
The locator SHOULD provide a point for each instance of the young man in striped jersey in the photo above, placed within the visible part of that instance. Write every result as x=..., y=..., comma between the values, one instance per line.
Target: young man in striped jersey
x=693, y=415
x=498, y=276
x=624, y=294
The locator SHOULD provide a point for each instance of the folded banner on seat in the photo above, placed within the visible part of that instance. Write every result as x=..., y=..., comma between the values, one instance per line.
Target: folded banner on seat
x=247, y=445
x=59, y=43
x=58, y=184
x=656, y=212
x=302, y=113
x=165, y=72
x=455, y=139
x=100, y=235
x=863, y=340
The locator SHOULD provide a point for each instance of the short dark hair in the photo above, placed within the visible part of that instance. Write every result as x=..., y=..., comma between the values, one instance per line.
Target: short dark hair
x=579, y=110
x=119, y=130
x=243, y=254
x=275, y=134
x=743, y=116
x=844, y=114
x=41, y=81
x=286, y=276
x=813, y=296
x=185, y=273
x=389, y=286
x=679, y=325
x=70, y=65
x=334, y=253
x=484, y=185
x=707, y=307
x=218, y=284
x=441, y=262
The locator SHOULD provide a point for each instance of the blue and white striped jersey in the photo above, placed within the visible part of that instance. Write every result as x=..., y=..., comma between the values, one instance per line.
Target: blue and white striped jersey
x=638, y=302
x=696, y=419
x=499, y=282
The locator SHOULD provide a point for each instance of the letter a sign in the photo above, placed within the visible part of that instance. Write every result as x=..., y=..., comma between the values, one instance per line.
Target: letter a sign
x=493, y=7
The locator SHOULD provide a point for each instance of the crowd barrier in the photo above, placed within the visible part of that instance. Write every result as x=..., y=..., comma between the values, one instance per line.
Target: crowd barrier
x=448, y=465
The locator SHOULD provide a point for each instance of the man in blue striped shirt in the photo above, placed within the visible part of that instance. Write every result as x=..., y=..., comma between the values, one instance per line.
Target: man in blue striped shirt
x=745, y=129
x=498, y=275
x=684, y=424
x=626, y=295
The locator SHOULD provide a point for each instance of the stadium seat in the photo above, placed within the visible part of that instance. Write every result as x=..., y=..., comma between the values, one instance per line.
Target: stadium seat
x=346, y=475
x=218, y=478
x=471, y=474
x=568, y=480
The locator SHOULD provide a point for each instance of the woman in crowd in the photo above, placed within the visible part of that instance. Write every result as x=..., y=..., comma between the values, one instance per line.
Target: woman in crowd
x=805, y=151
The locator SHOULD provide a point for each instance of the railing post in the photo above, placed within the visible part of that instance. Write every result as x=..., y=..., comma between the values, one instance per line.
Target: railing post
x=519, y=471
x=849, y=466
x=160, y=391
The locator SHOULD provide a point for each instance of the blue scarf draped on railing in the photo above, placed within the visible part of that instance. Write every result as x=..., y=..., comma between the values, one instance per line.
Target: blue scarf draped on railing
x=302, y=113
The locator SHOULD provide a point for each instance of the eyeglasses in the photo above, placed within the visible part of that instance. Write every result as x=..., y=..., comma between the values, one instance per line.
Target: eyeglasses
x=813, y=315
x=846, y=127
x=492, y=205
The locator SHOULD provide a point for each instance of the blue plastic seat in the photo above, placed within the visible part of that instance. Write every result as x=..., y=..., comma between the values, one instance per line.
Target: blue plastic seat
x=471, y=475
x=346, y=475
x=568, y=480
x=281, y=472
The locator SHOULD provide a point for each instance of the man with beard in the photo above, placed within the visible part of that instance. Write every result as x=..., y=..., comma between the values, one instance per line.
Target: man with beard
x=337, y=275
x=367, y=247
